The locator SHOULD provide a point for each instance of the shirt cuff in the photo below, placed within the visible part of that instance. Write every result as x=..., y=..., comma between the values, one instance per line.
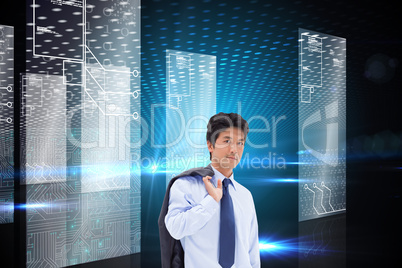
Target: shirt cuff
x=209, y=204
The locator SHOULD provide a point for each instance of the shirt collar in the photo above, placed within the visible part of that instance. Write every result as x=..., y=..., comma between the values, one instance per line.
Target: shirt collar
x=219, y=175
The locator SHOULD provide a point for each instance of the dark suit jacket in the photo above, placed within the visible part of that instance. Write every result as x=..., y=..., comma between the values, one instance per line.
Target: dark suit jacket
x=171, y=250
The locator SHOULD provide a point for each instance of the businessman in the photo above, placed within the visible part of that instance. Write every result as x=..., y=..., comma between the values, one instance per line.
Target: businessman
x=209, y=214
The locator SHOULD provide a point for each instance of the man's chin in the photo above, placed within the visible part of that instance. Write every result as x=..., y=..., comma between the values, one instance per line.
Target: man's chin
x=228, y=165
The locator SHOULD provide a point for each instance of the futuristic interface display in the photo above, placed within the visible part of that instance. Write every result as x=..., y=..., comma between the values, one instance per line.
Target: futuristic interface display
x=191, y=99
x=81, y=103
x=6, y=124
x=322, y=125
x=104, y=101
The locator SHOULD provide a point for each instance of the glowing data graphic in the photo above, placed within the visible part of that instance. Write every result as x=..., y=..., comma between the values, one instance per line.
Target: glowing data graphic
x=191, y=99
x=81, y=103
x=322, y=125
x=6, y=124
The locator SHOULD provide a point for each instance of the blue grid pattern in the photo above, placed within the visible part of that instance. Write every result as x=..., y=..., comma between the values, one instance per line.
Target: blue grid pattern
x=256, y=61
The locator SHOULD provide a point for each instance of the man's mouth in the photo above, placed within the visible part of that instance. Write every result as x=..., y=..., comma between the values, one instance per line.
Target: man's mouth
x=232, y=157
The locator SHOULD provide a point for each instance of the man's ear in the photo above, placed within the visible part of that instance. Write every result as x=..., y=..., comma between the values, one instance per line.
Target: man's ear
x=210, y=146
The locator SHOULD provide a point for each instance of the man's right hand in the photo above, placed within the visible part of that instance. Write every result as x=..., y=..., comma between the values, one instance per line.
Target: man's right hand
x=217, y=192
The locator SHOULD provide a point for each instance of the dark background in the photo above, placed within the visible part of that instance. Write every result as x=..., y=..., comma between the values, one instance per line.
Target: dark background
x=258, y=42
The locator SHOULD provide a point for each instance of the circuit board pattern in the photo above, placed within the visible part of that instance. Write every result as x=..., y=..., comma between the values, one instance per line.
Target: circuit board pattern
x=6, y=124
x=81, y=107
x=322, y=125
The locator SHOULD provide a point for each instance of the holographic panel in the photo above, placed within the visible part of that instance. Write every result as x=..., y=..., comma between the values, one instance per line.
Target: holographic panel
x=81, y=101
x=105, y=132
x=322, y=125
x=191, y=98
x=44, y=102
x=6, y=124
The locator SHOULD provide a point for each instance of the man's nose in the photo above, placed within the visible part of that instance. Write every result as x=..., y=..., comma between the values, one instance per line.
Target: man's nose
x=233, y=147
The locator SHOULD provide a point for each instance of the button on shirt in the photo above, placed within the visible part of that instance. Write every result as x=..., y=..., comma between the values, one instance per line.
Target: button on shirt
x=194, y=218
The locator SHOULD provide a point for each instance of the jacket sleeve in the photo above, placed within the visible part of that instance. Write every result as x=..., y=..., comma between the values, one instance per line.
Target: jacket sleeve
x=185, y=216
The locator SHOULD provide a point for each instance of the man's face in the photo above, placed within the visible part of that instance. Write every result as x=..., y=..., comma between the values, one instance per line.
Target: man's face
x=228, y=148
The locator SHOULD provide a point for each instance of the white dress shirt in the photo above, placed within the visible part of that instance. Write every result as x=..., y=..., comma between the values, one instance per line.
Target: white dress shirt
x=194, y=218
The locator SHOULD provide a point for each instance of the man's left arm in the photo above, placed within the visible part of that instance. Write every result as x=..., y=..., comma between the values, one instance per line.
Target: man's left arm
x=254, y=251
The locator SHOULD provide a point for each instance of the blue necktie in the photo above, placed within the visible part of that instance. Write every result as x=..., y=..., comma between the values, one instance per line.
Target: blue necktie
x=227, y=229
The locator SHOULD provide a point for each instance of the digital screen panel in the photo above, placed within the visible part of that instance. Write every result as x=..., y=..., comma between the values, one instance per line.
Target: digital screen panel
x=44, y=105
x=6, y=124
x=191, y=99
x=322, y=125
x=81, y=103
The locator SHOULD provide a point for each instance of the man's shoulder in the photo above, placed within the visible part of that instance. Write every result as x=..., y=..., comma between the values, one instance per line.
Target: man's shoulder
x=193, y=175
x=243, y=190
x=187, y=181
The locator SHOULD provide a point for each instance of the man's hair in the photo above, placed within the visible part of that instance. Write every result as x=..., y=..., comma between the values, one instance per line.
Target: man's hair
x=222, y=121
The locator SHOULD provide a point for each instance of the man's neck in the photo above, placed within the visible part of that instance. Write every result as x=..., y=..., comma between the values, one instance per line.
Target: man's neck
x=225, y=172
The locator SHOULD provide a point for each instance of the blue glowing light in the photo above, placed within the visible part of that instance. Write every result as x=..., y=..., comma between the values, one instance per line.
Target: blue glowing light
x=296, y=163
x=293, y=247
x=289, y=180
x=283, y=180
x=265, y=247
x=274, y=180
x=287, y=247
x=303, y=152
x=30, y=206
